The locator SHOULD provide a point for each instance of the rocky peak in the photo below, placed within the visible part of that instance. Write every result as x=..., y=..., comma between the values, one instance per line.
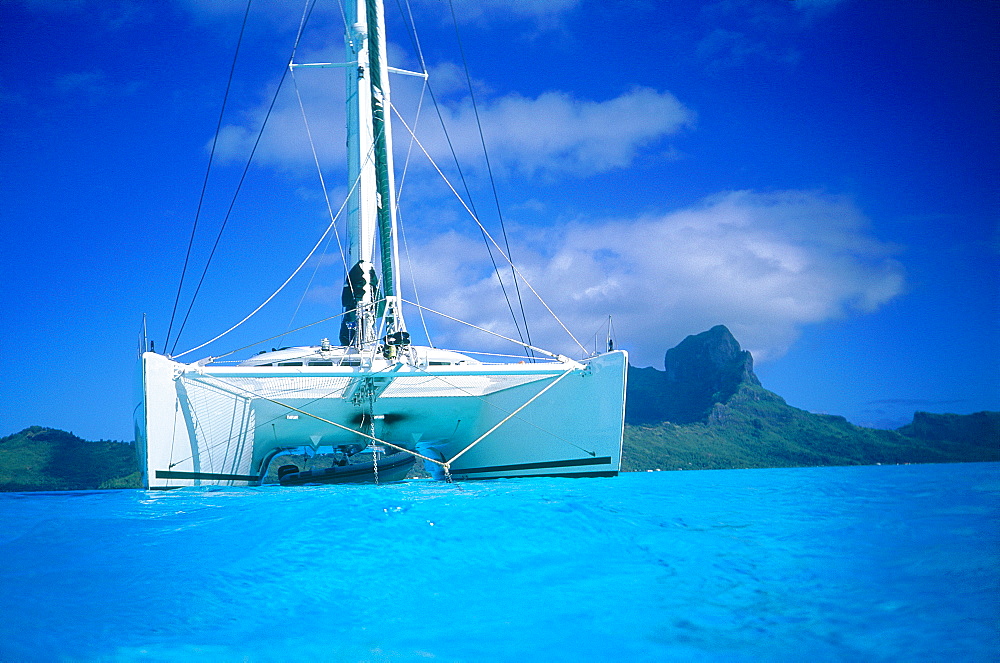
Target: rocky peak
x=704, y=369
x=712, y=359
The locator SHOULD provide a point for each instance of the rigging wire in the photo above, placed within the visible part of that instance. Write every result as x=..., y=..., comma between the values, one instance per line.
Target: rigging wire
x=399, y=219
x=310, y=4
x=330, y=227
x=608, y=329
x=305, y=291
x=411, y=27
x=483, y=353
x=485, y=401
x=307, y=12
x=227, y=388
x=489, y=170
x=472, y=209
x=461, y=174
x=472, y=214
x=284, y=333
x=326, y=197
x=412, y=33
x=208, y=171
x=489, y=331
x=232, y=204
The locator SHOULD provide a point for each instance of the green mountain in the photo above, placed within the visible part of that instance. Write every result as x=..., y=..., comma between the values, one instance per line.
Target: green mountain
x=48, y=459
x=707, y=410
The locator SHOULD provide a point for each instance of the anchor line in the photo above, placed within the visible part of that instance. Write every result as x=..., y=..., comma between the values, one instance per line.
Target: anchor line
x=371, y=428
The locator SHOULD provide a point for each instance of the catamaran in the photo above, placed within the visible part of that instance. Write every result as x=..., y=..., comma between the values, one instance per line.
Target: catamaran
x=207, y=423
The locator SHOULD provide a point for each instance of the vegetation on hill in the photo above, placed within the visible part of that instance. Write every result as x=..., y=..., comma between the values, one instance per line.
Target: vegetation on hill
x=756, y=428
x=981, y=429
x=40, y=458
x=707, y=410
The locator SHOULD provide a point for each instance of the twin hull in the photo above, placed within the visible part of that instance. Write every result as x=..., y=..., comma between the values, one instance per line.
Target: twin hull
x=210, y=425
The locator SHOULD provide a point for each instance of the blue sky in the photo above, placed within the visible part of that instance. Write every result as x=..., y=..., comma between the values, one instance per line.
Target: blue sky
x=821, y=177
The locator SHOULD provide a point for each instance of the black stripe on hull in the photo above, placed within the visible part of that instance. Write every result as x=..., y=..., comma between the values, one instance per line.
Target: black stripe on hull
x=209, y=476
x=576, y=462
x=570, y=475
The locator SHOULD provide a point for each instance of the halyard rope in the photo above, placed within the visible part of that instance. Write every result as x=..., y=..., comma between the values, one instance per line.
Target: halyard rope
x=483, y=329
x=488, y=235
x=319, y=242
x=204, y=185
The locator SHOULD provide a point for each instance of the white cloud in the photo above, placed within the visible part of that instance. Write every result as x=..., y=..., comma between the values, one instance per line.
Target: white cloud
x=93, y=86
x=228, y=8
x=764, y=264
x=551, y=134
x=555, y=133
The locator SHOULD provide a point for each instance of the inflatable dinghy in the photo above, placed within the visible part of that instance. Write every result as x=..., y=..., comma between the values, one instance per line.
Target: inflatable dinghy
x=392, y=467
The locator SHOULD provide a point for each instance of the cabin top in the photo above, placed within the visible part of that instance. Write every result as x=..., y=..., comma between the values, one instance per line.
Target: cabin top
x=326, y=355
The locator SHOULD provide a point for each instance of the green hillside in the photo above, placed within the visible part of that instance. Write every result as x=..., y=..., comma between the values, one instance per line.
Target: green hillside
x=708, y=410
x=755, y=428
x=40, y=458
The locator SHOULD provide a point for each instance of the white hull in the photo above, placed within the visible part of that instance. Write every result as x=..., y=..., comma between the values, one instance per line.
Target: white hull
x=215, y=425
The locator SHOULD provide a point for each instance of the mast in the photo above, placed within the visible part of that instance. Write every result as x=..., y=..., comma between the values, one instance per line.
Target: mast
x=371, y=208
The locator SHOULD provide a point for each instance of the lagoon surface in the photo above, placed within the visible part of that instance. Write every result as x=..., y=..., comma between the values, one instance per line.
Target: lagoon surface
x=821, y=564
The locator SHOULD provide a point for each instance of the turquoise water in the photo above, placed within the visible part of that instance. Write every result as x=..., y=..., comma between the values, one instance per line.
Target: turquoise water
x=821, y=564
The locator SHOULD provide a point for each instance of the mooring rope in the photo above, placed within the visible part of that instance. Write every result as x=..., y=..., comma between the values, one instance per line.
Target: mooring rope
x=475, y=218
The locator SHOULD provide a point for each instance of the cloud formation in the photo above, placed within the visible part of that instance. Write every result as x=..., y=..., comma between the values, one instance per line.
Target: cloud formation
x=551, y=134
x=556, y=133
x=82, y=82
x=764, y=264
